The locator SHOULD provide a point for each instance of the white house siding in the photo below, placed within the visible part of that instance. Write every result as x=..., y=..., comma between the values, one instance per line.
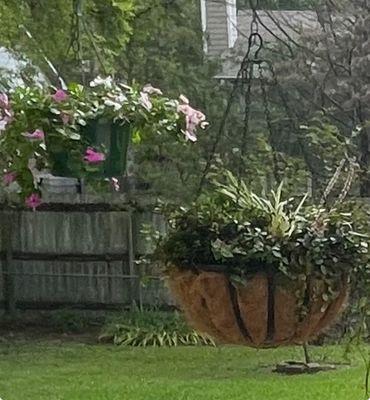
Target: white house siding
x=217, y=28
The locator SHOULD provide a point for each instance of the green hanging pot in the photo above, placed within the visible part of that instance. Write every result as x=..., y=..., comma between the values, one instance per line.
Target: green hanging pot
x=113, y=137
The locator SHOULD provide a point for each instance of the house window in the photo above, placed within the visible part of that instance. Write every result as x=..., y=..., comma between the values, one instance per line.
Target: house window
x=232, y=22
x=203, y=10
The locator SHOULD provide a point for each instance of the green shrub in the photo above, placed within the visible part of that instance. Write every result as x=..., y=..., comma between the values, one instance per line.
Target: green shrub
x=152, y=328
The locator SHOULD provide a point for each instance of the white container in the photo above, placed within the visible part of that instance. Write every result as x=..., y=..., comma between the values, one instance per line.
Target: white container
x=60, y=185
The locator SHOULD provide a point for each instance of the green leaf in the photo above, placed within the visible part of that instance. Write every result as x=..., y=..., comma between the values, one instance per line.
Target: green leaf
x=136, y=137
x=81, y=122
x=74, y=136
x=238, y=280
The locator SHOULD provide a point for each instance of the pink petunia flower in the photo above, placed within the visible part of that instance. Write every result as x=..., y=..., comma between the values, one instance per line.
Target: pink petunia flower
x=6, y=114
x=3, y=124
x=145, y=101
x=33, y=201
x=151, y=90
x=94, y=157
x=9, y=178
x=59, y=96
x=4, y=101
x=38, y=134
x=65, y=118
x=190, y=136
x=193, y=119
x=184, y=99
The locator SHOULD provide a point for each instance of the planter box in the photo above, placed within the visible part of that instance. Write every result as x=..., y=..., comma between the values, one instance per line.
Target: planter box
x=60, y=185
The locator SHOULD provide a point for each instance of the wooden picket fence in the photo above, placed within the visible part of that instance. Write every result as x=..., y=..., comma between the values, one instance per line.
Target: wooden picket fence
x=81, y=257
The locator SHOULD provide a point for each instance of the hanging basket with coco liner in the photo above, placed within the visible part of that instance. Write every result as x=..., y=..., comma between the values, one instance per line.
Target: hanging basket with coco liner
x=259, y=270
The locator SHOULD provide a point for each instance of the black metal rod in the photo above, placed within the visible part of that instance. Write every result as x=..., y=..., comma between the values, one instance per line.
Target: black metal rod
x=239, y=320
x=271, y=308
x=307, y=358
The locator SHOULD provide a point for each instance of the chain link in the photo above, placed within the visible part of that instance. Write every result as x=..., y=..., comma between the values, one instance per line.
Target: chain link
x=254, y=25
x=245, y=75
x=75, y=36
x=254, y=30
x=268, y=119
x=248, y=77
x=254, y=4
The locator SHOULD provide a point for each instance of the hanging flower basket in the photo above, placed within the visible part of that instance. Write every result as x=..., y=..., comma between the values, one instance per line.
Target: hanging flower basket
x=83, y=132
x=261, y=271
x=263, y=312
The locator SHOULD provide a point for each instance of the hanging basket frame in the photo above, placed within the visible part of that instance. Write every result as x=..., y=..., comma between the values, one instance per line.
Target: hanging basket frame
x=264, y=312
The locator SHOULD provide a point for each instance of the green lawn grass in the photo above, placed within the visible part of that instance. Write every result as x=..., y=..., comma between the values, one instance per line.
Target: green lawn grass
x=61, y=371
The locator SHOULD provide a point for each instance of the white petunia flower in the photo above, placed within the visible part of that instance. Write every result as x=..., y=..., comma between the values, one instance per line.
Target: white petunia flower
x=99, y=81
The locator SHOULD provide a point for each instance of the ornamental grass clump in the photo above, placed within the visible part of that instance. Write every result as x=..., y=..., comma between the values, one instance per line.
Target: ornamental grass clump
x=152, y=328
x=262, y=270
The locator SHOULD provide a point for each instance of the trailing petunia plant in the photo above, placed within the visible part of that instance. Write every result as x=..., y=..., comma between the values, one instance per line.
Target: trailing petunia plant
x=44, y=132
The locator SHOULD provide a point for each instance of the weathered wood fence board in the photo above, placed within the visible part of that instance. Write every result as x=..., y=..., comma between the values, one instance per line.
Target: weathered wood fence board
x=72, y=233
x=70, y=282
x=1, y=282
x=77, y=258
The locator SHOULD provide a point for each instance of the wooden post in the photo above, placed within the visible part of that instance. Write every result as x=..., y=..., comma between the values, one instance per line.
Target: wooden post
x=140, y=289
x=131, y=261
x=7, y=229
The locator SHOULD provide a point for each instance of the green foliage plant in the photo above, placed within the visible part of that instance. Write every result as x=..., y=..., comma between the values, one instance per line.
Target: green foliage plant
x=152, y=328
x=235, y=231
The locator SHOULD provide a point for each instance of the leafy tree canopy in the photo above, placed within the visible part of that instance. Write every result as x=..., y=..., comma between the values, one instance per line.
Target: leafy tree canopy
x=103, y=30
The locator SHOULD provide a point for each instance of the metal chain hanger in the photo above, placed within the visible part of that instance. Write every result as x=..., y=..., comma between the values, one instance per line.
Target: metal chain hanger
x=79, y=26
x=75, y=37
x=251, y=66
